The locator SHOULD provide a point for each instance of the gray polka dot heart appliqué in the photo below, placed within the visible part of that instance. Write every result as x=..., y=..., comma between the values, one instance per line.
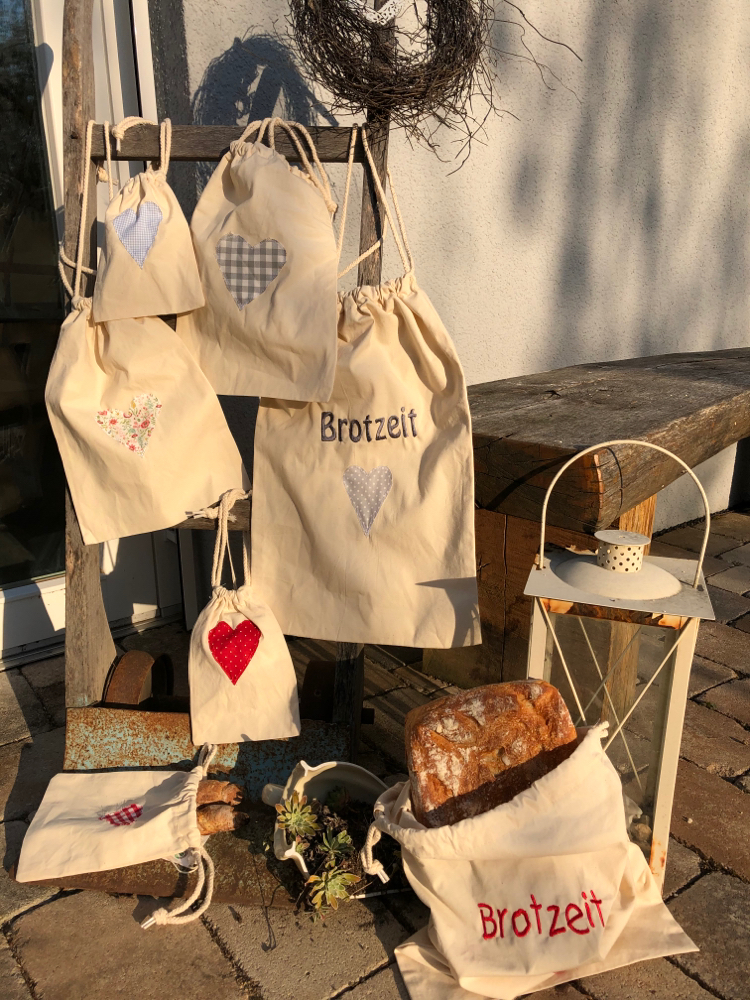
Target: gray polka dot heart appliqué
x=367, y=492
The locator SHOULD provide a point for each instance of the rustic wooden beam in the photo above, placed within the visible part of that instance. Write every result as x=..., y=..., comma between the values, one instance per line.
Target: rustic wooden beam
x=524, y=428
x=89, y=649
x=211, y=142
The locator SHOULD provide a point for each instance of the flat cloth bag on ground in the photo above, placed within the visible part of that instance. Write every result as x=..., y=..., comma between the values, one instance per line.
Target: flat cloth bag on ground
x=141, y=433
x=267, y=259
x=98, y=822
x=539, y=891
x=147, y=265
x=242, y=680
x=363, y=506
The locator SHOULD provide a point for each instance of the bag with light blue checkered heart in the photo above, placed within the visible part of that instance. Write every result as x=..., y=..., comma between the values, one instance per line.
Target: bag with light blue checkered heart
x=147, y=266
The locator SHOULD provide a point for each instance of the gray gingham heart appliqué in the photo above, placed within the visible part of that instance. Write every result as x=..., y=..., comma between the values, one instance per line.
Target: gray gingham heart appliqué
x=248, y=270
x=367, y=492
x=138, y=232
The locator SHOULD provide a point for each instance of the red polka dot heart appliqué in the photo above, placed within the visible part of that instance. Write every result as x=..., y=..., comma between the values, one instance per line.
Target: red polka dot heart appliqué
x=233, y=648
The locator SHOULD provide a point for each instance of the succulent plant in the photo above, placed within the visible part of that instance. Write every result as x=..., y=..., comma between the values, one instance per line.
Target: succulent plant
x=331, y=886
x=338, y=799
x=336, y=845
x=296, y=817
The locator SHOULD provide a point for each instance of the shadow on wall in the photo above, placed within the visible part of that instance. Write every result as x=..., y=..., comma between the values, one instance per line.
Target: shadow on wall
x=255, y=78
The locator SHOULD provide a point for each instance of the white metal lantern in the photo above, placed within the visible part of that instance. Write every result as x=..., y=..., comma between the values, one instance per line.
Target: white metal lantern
x=615, y=632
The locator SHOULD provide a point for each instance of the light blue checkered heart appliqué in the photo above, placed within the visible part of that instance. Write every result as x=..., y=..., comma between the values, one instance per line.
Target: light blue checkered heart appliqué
x=138, y=232
x=248, y=271
x=367, y=492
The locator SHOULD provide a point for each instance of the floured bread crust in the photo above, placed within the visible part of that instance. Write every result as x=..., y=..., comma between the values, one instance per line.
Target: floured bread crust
x=472, y=751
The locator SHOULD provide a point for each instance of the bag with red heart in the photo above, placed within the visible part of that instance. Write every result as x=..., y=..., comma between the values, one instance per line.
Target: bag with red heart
x=141, y=434
x=242, y=680
x=147, y=265
x=267, y=259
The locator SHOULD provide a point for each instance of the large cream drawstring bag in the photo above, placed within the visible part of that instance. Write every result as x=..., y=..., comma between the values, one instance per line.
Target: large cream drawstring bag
x=363, y=506
x=539, y=891
x=267, y=259
x=99, y=822
x=141, y=434
x=242, y=680
x=147, y=265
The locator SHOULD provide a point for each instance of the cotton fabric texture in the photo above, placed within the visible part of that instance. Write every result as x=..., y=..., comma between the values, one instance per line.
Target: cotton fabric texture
x=363, y=506
x=539, y=891
x=242, y=681
x=267, y=260
x=147, y=265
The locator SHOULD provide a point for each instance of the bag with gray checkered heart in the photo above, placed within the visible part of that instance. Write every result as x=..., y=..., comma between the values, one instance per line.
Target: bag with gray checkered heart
x=363, y=506
x=147, y=266
x=267, y=259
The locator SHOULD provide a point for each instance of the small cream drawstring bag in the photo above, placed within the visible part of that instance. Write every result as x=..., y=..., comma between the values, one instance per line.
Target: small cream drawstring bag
x=242, y=681
x=99, y=822
x=267, y=258
x=141, y=434
x=363, y=506
x=147, y=265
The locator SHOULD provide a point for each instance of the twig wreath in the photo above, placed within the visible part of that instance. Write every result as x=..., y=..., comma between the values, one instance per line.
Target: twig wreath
x=432, y=72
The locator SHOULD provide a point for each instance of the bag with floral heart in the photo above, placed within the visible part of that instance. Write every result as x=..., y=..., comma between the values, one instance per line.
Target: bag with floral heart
x=142, y=436
x=363, y=506
x=267, y=259
x=242, y=681
x=99, y=822
x=147, y=265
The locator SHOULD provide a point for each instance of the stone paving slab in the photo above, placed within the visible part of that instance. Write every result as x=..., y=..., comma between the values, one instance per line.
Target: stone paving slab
x=736, y=579
x=423, y=683
x=731, y=699
x=384, y=985
x=408, y=909
x=739, y=555
x=704, y=675
x=21, y=712
x=89, y=946
x=711, y=564
x=387, y=734
x=743, y=624
x=727, y=606
x=715, y=912
x=12, y=984
x=723, y=644
x=683, y=866
x=378, y=679
x=15, y=897
x=712, y=816
x=691, y=538
x=288, y=955
x=657, y=978
x=26, y=769
x=733, y=524
x=744, y=783
x=47, y=678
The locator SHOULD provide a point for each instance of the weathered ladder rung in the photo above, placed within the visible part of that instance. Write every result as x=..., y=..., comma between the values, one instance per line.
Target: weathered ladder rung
x=239, y=519
x=209, y=142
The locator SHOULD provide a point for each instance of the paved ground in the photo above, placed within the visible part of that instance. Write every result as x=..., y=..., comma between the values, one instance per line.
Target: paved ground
x=86, y=946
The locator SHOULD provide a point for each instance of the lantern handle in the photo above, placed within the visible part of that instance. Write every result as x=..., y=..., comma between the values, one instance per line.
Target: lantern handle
x=644, y=444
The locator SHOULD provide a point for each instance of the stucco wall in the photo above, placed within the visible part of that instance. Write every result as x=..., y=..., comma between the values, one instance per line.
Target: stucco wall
x=605, y=216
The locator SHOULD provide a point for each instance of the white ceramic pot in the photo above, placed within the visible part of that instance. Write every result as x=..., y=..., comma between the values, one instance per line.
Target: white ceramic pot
x=316, y=783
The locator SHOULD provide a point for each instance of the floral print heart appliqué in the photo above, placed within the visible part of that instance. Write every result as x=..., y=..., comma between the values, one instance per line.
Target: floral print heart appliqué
x=233, y=648
x=132, y=428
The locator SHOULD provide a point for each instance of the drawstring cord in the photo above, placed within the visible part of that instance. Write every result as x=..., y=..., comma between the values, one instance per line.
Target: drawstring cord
x=206, y=872
x=370, y=864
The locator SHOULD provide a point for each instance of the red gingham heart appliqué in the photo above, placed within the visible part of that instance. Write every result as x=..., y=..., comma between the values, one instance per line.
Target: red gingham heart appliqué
x=233, y=648
x=125, y=816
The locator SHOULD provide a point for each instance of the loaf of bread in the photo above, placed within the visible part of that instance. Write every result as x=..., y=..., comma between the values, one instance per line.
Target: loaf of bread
x=472, y=751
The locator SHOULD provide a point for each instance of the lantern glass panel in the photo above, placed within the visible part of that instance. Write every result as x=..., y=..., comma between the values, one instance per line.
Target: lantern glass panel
x=612, y=665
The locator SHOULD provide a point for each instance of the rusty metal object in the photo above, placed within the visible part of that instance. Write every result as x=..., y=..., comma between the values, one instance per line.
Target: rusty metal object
x=558, y=607
x=130, y=681
x=101, y=738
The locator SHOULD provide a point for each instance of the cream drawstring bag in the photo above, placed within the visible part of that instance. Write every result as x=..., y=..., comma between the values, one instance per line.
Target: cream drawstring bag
x=141, y=433
x=147, y=266
x=539, y=891
x=98, y=822
x=363, y=506
x=267, y=259
x=242, y=680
